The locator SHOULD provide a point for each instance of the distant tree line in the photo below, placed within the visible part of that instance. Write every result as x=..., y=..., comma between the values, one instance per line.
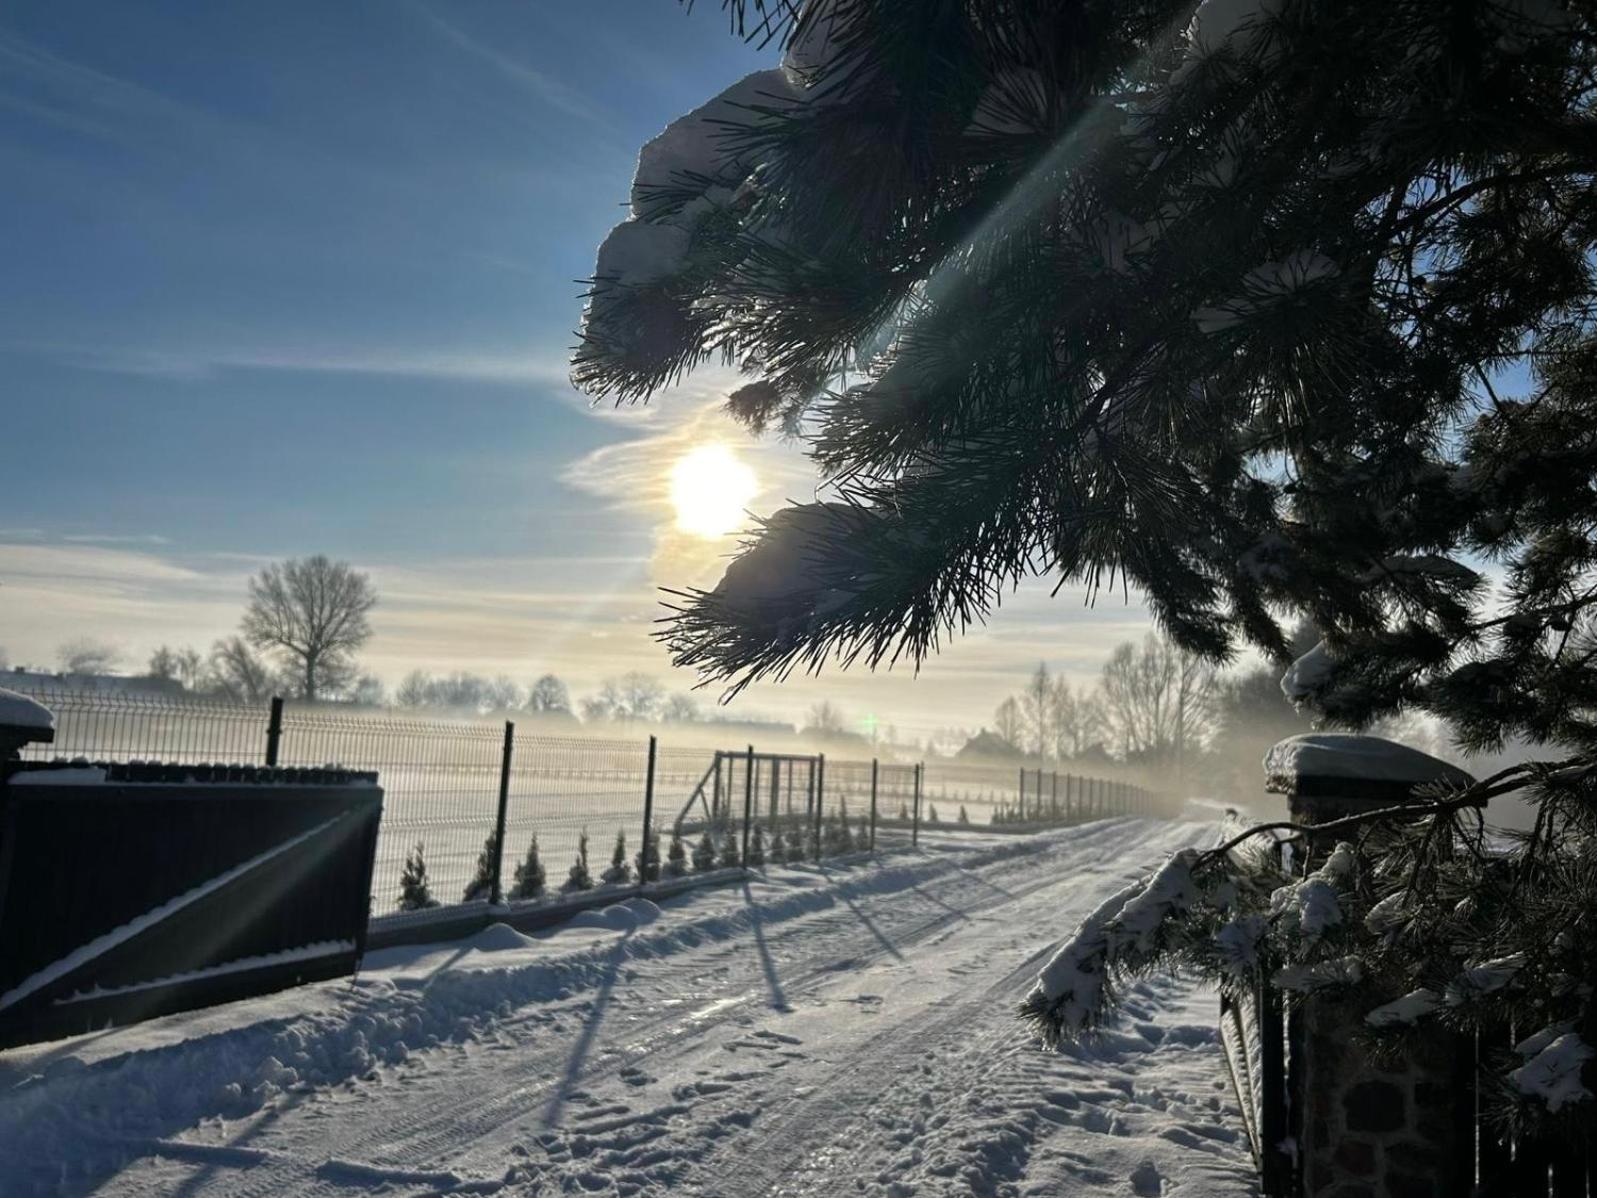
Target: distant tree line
x=1152, y=704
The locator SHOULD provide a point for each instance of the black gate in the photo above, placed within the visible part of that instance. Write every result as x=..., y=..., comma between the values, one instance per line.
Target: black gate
x=130, y=890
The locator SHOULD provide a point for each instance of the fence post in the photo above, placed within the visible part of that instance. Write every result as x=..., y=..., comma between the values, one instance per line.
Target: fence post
x=914, y=832
x=1343, y=1102
x=748, y=802
x=874, y=764
x=647, y=855
x=496, y=894
x=274, y=730
x=1021, y=814
x=1053, y=800
x=820, y=799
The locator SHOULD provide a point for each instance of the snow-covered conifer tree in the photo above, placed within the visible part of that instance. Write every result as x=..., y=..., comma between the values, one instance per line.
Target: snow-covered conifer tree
x=756, y=857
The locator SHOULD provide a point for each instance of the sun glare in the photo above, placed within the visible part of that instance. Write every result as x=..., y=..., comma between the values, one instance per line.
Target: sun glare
x=710, y=489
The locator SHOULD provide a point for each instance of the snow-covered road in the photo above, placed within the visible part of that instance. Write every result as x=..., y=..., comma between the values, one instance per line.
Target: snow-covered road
x=847, y=1031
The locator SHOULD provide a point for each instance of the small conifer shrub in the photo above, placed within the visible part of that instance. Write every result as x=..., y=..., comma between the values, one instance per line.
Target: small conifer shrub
x=676, y=857
x=704, y=854
x=620, y=872
x=414, y=893
x=482, y=882
x=579, y=878
x=530, y=876
x=648, y=860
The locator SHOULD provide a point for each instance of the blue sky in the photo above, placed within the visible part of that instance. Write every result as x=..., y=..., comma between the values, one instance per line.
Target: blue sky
x=299, y=277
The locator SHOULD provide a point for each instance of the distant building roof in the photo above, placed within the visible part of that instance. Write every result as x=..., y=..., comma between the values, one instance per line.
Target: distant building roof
x=23, y=679
x=988, y=744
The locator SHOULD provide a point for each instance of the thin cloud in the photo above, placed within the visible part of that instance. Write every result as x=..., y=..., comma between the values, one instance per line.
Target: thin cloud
x=550, y=91
x=496, y=366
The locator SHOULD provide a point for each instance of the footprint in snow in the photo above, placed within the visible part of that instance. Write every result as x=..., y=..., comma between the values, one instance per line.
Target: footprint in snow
x=1146, y=1181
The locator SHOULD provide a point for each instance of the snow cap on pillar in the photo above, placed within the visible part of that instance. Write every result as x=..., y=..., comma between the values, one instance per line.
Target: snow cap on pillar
x=1352, y=768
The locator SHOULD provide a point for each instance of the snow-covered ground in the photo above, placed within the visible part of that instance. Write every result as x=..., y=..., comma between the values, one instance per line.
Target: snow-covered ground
x=840, y=1031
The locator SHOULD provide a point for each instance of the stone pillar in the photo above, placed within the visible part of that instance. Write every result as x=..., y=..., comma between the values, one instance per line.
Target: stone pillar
x=1365, y=1130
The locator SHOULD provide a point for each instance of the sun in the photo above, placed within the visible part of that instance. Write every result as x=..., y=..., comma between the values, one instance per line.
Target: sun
x=710, y=489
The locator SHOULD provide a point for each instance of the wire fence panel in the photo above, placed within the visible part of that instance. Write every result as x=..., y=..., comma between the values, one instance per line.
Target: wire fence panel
x=105, y=727
x=563, y=789
x=983, y=792
x=895, y=804
x=846, y=809
x=442, y=782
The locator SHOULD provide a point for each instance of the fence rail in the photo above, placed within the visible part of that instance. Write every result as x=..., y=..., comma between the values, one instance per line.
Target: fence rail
x=471, y=797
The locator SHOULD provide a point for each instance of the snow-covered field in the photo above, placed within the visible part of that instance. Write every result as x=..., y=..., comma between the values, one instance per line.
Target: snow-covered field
x=838, y=1031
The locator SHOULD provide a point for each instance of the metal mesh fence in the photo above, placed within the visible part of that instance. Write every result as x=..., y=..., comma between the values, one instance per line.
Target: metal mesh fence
x=442, y=783
x=563, y=789
x=102, y=726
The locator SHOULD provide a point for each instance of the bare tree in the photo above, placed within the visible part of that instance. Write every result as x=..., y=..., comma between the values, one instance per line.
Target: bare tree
x=1158, y=699
x=185, y=666
x=502, y=693
x=549, y=694
x=87, y=656
x=414, y=689
x=162, y=665
x=1008, y=723
x=238, y=672
x=633, y=696
x=369, y=691
x=1078, y=720
x=680, y=709
x=826, y=719
x=311, y=612
x=1037, y=708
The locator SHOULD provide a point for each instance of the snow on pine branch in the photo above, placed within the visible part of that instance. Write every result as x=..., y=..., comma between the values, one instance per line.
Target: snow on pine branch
x=1554, y=1058
x=1073, y=992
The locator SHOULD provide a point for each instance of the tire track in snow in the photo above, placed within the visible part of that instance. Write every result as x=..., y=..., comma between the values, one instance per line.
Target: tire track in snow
x=421, y=1134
